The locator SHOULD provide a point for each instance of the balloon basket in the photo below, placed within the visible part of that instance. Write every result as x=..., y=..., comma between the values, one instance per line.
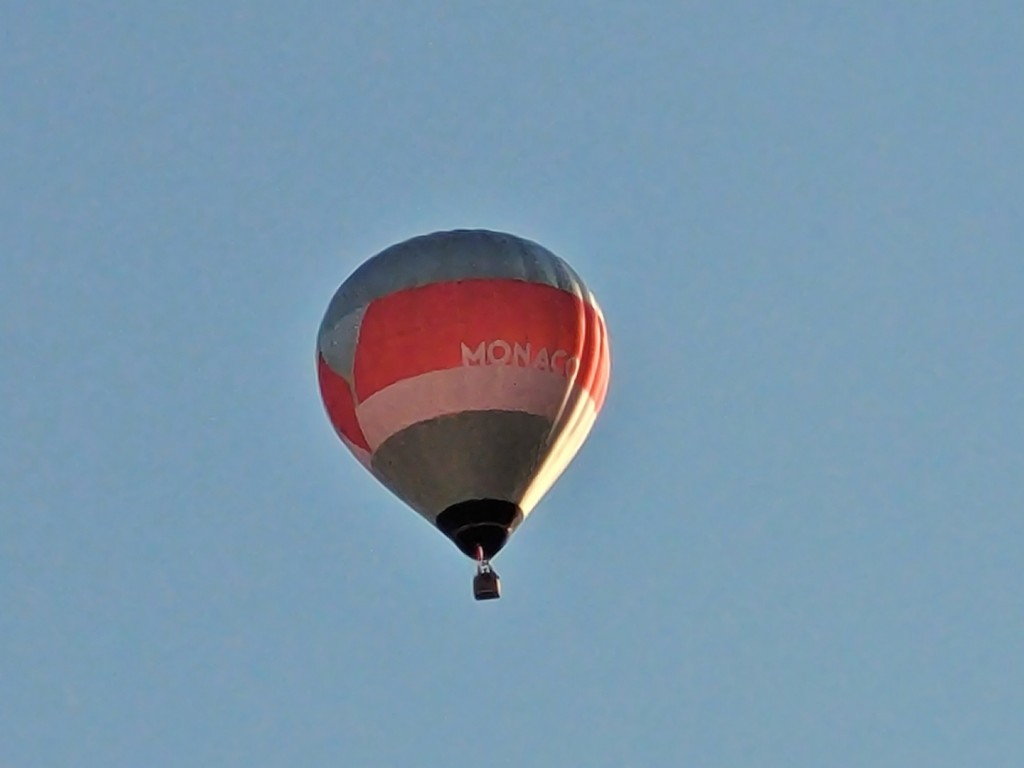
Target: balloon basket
x=486, y=584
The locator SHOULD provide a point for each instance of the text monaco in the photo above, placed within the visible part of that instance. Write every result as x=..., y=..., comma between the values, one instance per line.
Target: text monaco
x=500, y=352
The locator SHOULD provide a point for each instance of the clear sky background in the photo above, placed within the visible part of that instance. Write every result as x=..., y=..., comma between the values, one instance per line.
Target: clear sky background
x=795, y=535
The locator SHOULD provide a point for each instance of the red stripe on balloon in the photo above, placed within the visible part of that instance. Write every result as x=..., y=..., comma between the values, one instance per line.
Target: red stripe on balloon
x=603, y=375
x=339, y=403
x=412, y=332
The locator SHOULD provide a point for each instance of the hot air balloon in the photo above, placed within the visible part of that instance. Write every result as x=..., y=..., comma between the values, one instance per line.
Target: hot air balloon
x=464, y=370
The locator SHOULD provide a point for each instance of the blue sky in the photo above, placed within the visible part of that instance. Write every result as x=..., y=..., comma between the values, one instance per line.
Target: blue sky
x=794, y=537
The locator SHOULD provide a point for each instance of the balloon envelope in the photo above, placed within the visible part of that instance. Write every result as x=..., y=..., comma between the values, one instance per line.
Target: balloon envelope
x=464, y=369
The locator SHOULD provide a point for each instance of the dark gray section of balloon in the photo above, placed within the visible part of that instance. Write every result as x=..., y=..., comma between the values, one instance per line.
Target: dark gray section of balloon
x=455, y=458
